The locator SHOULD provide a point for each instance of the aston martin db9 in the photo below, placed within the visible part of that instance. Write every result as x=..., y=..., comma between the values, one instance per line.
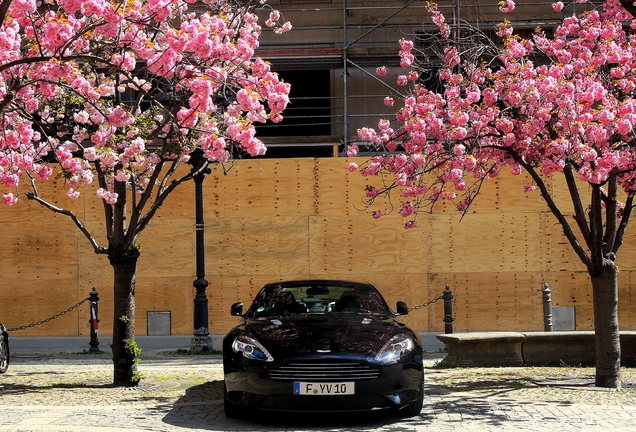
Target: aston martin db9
x=321, y=346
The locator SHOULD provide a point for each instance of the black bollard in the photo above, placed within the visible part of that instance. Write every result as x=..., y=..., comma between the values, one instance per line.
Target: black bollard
x=448, y=310
x=93, y=319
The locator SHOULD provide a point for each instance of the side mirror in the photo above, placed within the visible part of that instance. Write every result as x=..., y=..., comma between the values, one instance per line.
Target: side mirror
x=237, y=309
x=401, y=308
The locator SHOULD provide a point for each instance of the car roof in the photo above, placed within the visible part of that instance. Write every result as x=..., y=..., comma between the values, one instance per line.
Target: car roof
x=333, y=282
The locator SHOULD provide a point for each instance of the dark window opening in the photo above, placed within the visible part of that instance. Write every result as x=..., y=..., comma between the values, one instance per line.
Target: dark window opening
x=298, y=152
x=309, y=113
x=292, y=151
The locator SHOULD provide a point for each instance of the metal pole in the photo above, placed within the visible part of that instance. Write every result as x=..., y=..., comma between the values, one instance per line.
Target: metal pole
x=547, y=308
x=93, y=319
x=201, y=334
x=448, y=310
x=345, y=72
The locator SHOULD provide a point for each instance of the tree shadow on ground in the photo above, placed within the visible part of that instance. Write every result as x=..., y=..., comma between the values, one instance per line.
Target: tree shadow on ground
x=202, y=408
x=24, y=389
x=30, y=373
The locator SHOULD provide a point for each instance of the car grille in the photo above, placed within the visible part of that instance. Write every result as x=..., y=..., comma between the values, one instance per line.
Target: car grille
x=324, y=371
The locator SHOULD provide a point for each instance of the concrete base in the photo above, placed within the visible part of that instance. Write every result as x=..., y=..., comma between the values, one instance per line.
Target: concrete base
x=483, y=349
x=572, y=348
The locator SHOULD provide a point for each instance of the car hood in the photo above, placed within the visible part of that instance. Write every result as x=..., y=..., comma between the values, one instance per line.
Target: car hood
x=305, y=335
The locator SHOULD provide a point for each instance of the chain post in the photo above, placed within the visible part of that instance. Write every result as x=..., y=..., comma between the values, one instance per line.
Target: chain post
x=93, y=319
x=448, y=310
x=547, y=308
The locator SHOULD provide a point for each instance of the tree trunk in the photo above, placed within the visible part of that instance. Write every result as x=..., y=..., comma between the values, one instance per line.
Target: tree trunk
x=125, y=350
x=608, y=348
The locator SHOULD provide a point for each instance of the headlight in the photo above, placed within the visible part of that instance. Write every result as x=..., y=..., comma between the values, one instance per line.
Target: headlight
x=251, y=349
x=394, y=349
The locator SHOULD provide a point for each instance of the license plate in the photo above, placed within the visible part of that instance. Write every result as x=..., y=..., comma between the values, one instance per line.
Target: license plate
x=324, y=389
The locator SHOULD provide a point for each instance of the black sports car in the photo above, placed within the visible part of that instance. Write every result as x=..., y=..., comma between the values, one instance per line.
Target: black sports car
x=321, y=346
x=4, y=348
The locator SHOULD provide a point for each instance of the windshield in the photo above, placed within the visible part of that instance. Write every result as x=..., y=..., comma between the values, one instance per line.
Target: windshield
x=318, y=298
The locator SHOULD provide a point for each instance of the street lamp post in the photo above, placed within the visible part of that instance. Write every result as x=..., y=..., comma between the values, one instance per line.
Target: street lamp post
x=201, y=335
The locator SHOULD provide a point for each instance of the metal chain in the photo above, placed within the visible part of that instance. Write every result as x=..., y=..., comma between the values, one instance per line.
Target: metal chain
x=57, y=315
x=428, y=303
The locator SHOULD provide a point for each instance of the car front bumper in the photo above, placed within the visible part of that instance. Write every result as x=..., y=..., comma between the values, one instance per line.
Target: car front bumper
x=249, y=385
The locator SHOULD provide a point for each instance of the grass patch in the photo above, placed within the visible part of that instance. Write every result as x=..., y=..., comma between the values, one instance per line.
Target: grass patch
x=166, y=377
x=198, y=381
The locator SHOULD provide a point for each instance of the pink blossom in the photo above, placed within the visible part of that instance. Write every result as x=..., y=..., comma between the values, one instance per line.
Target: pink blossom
x=352, y=167
x=506, y=6
x=81, y=116
x=9, y=199
x=406, y=60
x=458, y=133
x=187, y=117
x=402, y=80
x=459, y=149
x=73, y=194
x=406, y=44
x=120, y=117
x=624, y=126
x=372, y=192
x=274, y=16
x=109, y=197
x=388, y=101
x=284, y=28
x=407, y=209
x=381, y=71
x=367, y=134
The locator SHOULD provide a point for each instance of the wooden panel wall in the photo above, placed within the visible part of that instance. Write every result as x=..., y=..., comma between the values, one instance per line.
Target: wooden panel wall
x=281, y=219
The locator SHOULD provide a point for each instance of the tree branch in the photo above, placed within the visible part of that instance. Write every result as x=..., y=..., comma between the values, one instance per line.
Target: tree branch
x=610, y=215
x=578, y=205
x=98, y=249
x=596, y=228
x=618, y=240
x=4, y=8
x=108, y=209
x=138, y=209
x=29, y=60
x=8, y=98
x=119, y=215
x=163, y=194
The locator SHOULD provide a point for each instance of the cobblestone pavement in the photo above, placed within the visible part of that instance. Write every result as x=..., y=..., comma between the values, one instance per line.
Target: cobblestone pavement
x=72, y=393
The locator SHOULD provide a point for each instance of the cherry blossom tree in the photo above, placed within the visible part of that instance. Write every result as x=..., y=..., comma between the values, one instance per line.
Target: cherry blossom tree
x=550, y=105
x=114, y=96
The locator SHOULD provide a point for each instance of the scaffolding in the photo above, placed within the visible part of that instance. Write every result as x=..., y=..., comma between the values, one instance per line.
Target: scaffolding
x=350, y=38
